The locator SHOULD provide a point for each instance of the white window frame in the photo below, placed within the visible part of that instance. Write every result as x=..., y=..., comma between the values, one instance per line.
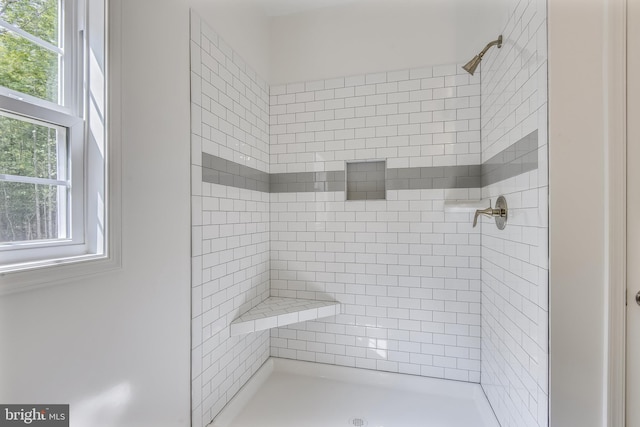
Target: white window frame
x=85, y=111
x=18, y=255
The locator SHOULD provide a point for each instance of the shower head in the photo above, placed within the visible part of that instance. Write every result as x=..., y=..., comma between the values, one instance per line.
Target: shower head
x=471, y=66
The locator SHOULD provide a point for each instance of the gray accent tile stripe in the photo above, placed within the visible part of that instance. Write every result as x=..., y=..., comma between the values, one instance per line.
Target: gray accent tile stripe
x=216, y=170
x=517, y=159
x=431, y=178
x=306, y=182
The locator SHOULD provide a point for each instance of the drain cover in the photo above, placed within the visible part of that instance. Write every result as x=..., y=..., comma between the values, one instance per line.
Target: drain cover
x=358, y=422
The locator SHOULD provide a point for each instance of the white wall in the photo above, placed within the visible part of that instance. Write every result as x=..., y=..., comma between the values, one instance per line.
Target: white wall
x=116, y=346
x=577, y=130
x=380, y=35
x=244, y=26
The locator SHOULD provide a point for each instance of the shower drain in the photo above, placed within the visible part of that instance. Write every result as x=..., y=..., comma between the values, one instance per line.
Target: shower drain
x=358, y=422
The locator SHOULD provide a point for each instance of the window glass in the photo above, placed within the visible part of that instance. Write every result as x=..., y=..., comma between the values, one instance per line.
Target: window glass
x=29, y=212
x=28, y=68
x=33, y=186
x=28, y=149
x=36, y=17
x=30, y=63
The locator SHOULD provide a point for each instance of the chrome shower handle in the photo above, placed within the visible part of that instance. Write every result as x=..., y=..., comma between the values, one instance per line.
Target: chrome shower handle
x=489, y=212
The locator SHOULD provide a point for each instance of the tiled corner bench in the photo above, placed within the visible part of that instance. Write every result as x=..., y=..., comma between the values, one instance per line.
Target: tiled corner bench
x=275, y=311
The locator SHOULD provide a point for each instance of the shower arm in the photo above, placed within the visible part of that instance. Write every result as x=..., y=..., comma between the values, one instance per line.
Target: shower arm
x=493, y=43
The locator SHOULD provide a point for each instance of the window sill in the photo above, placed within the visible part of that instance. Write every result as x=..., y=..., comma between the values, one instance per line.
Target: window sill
x=26, y=277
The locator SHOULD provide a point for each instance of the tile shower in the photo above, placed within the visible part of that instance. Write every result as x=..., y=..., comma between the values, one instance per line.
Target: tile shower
x=421, y=291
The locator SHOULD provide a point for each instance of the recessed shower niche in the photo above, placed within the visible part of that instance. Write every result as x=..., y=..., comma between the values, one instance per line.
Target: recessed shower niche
x=366, y=180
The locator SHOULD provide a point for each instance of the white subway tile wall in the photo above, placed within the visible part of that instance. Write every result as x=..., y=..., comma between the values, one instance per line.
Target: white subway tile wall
x=406, y=273
x=515, y=261
x=412, y=118
x=230, y=225
x=230, y=102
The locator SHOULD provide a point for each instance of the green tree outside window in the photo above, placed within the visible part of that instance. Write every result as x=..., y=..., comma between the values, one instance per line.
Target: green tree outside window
x=29, y=211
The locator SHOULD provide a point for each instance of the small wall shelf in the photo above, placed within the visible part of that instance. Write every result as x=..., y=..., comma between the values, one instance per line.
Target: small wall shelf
x=276, y=311
x=464, y=206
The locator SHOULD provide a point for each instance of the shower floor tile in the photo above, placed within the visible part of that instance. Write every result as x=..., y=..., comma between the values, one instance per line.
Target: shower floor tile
x=286, y=393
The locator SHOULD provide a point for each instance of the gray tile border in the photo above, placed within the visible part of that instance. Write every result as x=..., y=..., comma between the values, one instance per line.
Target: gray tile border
x=216, y=170
x=517, y=159
x=306, y=182
x=366, y=182
x=432, y=178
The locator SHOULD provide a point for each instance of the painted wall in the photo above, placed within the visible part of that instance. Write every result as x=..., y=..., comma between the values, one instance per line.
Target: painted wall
x=116, y=346
x=380, y=35
x=244, y=25
x=577, y=143
x=515, y=260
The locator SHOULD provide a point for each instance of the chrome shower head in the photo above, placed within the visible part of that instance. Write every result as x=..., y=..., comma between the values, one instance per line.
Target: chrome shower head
x=470, y=67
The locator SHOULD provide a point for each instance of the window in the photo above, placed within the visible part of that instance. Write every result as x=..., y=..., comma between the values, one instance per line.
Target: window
x=52, y=133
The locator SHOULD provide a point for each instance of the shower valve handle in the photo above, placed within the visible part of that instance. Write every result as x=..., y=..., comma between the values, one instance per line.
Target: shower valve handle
x=489, y=212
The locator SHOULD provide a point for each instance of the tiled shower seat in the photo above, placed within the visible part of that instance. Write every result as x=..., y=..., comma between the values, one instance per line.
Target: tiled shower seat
x=275, y=311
